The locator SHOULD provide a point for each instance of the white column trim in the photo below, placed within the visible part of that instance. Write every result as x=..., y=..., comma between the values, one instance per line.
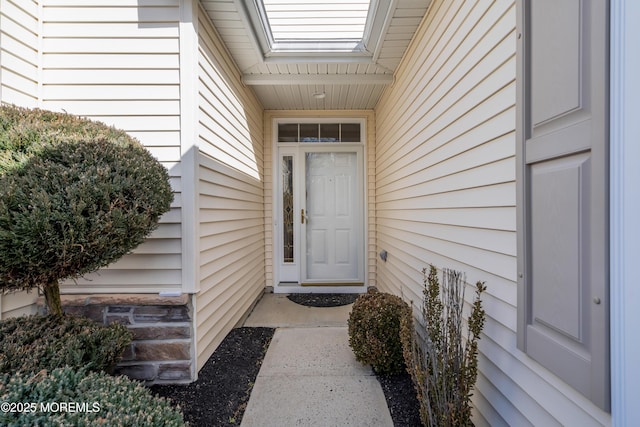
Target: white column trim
x=625, y=212
x=189, y=145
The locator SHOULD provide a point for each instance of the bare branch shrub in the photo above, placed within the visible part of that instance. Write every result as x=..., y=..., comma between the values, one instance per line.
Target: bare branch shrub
x=441, y=357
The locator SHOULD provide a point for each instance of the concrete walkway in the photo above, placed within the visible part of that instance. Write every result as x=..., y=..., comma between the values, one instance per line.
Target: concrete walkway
x=309, y=376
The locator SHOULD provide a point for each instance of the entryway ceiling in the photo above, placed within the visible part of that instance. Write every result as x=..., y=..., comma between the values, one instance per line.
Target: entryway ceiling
x=286, y=76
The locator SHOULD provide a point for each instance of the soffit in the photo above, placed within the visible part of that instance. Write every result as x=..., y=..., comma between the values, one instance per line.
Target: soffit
x=287, y=80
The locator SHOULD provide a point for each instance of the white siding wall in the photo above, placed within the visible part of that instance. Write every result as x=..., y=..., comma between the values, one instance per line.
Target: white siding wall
x=18, y=304
x=19, y=52
x=370, y=153
x=445, y=194
x=19, y=41
x=231, y=203
x=118, y=62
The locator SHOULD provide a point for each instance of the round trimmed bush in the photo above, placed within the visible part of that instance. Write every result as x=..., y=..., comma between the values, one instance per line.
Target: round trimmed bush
x=31, y=343
x=374, y=331
x=69, y=397
x=75, y=195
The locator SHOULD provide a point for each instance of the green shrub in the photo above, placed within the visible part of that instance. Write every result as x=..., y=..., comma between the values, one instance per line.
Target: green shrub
x=75, y=195
x=97, y=399
x=440, y=357
x=32, y=343
x=374, y=331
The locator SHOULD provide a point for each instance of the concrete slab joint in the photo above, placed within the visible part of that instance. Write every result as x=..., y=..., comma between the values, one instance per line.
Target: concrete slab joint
x=161, y=327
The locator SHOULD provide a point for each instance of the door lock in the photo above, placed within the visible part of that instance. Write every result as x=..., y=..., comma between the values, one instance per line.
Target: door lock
x=302, y=216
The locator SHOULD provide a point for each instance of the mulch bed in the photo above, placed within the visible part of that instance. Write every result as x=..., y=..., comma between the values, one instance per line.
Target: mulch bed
x=401, y=399
x=220, y=395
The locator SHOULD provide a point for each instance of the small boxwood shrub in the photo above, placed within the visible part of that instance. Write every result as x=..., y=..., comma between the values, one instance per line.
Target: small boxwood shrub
x=374, y=331
x=32, y=343
x=75, y=195
x=96, y=399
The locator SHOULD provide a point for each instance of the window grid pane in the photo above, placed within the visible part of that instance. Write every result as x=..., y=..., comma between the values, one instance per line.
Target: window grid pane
x=319, y=132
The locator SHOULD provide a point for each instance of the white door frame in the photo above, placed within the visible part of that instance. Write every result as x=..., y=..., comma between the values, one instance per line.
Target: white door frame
x=283, y=282
x=625, y=209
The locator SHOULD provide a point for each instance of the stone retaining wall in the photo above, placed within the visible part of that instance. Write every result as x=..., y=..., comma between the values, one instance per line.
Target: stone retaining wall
x=162, y=347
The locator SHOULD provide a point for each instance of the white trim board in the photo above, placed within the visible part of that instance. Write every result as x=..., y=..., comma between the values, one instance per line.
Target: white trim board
x=625, y=211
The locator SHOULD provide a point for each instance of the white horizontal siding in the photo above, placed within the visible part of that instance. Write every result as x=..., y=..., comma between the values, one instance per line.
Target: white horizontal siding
x=230, y=194
x=18, y=304
x=445, y=194
x=231, y=251
x=118, y=62
x=19, y=44
x=19, y=73
x=228, y=118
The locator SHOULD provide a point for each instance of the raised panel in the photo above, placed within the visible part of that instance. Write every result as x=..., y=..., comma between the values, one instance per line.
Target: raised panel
x=342, y=250
x=319, y=247
x=558, y=194
x=556, y=77
x=343, y=185
x=316, y=194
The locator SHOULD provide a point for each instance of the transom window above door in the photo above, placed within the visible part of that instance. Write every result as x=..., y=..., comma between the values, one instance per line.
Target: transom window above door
x=320, y=132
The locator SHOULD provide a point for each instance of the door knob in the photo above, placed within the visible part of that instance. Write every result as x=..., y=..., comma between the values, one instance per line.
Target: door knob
x=302, y=216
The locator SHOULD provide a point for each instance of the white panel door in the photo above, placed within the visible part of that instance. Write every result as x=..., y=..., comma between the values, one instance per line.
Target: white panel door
x=333, y=217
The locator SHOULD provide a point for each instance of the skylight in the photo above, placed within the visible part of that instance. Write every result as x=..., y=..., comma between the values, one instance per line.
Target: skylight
x=313, y=20
x=327, y=29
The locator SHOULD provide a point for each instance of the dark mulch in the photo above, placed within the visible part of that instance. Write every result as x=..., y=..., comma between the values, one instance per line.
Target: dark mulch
x=220, y=395
x=323, y=300
x=401, y=399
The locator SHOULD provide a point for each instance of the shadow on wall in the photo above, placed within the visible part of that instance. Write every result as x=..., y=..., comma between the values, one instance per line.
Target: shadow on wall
x=229, y=114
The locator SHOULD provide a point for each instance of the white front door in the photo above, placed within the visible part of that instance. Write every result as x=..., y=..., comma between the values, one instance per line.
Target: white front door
x=333, y=219
x=320, y=219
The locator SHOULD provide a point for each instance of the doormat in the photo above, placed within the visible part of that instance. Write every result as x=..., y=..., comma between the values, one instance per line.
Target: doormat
x=323, y=300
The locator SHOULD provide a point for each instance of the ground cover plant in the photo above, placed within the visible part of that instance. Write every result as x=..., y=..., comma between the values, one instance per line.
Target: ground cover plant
x=75, y=195
x=29, y=344
x=71, y=397
x=440, y=356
